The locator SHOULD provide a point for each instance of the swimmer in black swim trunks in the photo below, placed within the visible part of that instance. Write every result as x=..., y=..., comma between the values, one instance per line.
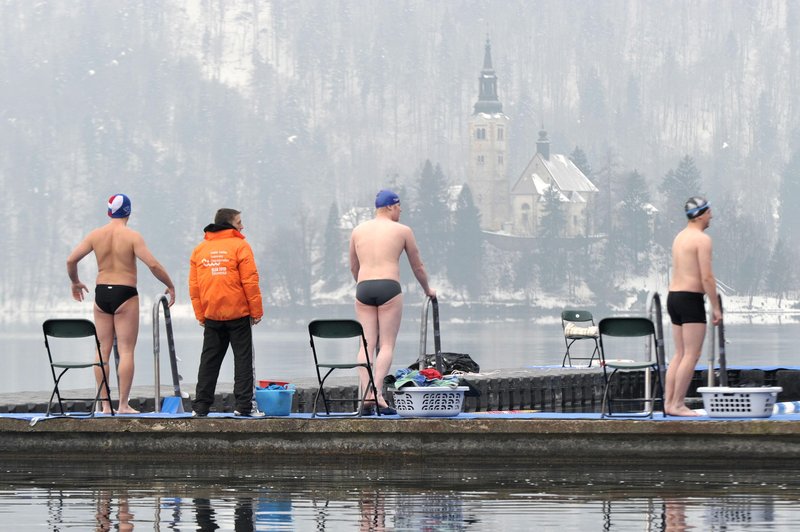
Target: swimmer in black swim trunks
x=116, y=311
x=692, y=277
x=375, y=249
x=377, y=292
x=109, y=297
x=686, y=307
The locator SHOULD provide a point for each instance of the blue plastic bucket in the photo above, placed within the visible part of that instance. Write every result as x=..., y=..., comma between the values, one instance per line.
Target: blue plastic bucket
x=274, y=402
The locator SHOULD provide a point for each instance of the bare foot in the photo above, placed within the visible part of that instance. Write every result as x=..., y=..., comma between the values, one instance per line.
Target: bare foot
x=684, y=411
x=105, y=409
x=127, y=410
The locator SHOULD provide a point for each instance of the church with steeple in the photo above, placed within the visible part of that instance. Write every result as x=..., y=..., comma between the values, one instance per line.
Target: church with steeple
x=516, y=208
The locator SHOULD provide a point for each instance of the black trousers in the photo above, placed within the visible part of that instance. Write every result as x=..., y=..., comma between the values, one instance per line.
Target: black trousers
x=216, y=338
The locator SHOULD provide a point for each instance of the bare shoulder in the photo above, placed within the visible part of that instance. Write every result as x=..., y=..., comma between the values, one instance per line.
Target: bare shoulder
x=702, y=239
x=360, y=228
x=132, y=234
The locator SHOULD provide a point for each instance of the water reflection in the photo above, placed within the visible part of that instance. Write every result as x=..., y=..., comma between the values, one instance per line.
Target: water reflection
x=113, y=513
x=434, y=494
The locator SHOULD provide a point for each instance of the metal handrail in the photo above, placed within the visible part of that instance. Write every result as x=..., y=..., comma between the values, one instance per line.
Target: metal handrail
x=713, y=343
x=423, y=334
x=161, y=300
x=656, y=315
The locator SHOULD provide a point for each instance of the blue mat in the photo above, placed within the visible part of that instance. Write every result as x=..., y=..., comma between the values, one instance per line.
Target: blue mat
x=40, y=417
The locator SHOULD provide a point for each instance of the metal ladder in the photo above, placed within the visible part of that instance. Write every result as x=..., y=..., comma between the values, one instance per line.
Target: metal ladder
x=656, y=315
x=162, y=301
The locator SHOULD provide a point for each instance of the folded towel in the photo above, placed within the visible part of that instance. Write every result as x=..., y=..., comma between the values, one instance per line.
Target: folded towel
x=573, y=331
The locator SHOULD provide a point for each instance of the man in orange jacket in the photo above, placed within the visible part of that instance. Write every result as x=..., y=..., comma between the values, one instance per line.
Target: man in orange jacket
x=223, y=285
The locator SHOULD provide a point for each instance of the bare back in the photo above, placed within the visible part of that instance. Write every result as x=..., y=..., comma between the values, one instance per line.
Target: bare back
x=114, y=248
x=691, y=260
x=377, y=245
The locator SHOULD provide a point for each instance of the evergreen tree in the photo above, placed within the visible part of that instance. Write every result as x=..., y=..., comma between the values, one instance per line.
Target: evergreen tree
x=781, y=276
x=741, y=255
x=606, y=180
x=333, y=265
x=579, y=159
x=465, y=252
x=678, y=185
x=554, y=219
x=431, y=217
x=552, y=256
x=634, y=220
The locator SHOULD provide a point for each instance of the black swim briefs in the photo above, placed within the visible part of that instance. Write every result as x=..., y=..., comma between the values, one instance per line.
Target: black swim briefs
x=376, y=292
x=109, y=297
x=686, y=307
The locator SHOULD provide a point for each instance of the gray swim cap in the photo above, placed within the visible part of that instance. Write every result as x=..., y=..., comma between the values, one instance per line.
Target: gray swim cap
x=696, y=206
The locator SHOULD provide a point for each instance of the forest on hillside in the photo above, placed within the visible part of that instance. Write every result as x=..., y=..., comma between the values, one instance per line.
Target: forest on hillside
x=297, y=112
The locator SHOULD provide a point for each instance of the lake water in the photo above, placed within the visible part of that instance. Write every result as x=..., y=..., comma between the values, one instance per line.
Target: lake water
x=283, y=352
x=123, y=493
x=357, y=494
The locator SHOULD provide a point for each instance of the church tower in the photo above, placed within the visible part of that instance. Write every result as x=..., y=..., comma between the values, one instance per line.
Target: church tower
x=488, y=141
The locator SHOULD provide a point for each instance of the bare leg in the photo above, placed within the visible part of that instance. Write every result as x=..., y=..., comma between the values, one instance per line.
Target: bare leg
x=367, y=315
x=389, y=316
x=104, y=323
x=126, y=325
x=672, y=368
x=688, y=345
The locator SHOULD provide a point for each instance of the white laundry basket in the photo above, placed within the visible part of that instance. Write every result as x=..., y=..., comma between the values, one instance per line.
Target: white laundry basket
x=722, y=401
x=429, y=401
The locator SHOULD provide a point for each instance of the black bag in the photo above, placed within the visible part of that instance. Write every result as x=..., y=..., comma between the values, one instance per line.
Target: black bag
x=450, y=362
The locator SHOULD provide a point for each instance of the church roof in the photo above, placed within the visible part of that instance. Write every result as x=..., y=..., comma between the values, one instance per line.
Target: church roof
x=566, y=175
x=559, y=170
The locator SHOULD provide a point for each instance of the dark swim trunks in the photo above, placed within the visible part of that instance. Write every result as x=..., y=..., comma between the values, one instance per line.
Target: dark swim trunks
x=377, y=292
x=686, y=307
x=109, y=297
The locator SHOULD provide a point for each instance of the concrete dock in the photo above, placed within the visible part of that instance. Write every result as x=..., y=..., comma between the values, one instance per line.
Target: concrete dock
x=534, y=438
x=554, y=418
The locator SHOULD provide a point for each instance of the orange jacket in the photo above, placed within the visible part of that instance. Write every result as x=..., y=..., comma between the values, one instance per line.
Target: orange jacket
x=223, y=279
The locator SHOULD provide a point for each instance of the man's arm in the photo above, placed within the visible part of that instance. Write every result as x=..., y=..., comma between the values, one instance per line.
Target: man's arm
x=707, y=276
x=143, y=254
x=80, y=251
x=355, y=266
x=415, y=260
x=248, y=274
x=194, y=291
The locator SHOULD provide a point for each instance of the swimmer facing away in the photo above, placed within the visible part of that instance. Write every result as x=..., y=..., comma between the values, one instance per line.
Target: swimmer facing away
x=116, y=304
x=375, y=249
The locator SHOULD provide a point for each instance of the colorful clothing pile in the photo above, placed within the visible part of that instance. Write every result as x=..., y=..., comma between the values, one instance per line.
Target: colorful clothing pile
x=425, y=377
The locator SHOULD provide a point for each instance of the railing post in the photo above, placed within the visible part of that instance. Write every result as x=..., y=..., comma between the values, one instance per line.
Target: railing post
x=656, y=314
x=161, y=300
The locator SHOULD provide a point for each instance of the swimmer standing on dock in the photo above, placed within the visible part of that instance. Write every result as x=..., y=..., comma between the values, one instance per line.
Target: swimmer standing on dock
x=375, y=249
x=116, y=305
x=691, y=278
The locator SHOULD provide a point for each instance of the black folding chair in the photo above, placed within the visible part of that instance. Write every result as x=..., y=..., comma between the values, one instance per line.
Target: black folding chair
x=578, y=325
x=73, y=328
x=339, y=329
x=630, y=327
